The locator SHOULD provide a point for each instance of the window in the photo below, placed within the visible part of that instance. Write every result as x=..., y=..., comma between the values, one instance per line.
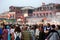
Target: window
x=37, y=14
x=44, y=8
x=46, y=14
x=43, y=14
x=37, y=9
x=51, y=14
x=40, y=8
x=58, y=7
x=40, y=14
x=47, y=8
x=30, y=11
x=33, y=14
x=51, y=8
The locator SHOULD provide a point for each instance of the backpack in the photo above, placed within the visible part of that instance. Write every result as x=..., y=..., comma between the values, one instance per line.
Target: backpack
x=17, y=38
x=1, y=31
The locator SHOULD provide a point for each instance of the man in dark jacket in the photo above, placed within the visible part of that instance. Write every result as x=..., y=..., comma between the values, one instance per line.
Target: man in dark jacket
x=41, y=34
x=53, y=34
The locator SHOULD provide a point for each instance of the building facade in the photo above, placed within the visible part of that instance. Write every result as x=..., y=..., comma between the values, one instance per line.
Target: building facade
x=47, y=10
x=21, y=12
x=44, y=12
x=17, y=11
x=8, y=15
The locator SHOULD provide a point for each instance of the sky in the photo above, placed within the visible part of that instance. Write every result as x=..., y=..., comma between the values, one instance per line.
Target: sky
x=5, y=4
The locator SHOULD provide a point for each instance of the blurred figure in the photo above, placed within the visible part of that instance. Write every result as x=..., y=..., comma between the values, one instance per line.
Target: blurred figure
x=32, y=33
x=37, y=32
x=5, y=33
x=8, y=28
x=41, y=33
x=26, y=35
x=58, y=30
x=21, y=27
x=1, y=31
x=48, y=27
x=45, y=28
x=17, y=33
x=28, y=28
x=12, y=32
x=53, y=34
x=12, y=29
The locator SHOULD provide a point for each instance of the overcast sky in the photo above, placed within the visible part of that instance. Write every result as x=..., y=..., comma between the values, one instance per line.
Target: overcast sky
x=4, y=4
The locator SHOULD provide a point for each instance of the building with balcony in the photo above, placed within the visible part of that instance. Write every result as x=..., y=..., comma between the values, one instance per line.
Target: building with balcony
x=8, y=15
x=20, y=11
x=17, y=11
x=44, y=12
x=47, y=10
x=28, y=10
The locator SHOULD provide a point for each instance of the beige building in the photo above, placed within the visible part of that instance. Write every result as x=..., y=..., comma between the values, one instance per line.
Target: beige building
x=8, y=15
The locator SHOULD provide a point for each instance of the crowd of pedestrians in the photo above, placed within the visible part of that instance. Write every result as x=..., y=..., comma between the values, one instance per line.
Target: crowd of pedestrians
x=29, y=32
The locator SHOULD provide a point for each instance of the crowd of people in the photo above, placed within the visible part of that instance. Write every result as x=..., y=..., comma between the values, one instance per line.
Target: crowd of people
x=29, y=32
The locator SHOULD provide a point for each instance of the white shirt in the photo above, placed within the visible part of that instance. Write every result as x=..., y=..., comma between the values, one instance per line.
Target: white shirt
x=37, y=32
x=17, y=34
x=12, y=30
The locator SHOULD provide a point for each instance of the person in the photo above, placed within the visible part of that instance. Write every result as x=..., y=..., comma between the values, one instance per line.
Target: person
x=1, y=31
x=5, y=33
x=17, y=33
x=32, y=33
x=48, y=27
x=37, y=33
x=12, y=29
x=26, y=35
x=8, y=28
x=53, y=34
x=41, y=33
x=12, y=32
x=58, y=30
x=45, y=28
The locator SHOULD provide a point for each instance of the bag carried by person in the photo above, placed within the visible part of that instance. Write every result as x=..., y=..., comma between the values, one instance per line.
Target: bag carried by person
x=1, y=31
x=17, y=38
